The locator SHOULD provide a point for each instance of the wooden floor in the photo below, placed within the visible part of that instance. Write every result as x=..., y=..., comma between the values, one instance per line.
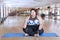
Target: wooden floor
x=32, y=38
x=13, y=24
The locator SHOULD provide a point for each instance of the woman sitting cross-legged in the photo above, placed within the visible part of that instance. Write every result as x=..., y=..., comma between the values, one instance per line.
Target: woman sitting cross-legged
x=33, y=25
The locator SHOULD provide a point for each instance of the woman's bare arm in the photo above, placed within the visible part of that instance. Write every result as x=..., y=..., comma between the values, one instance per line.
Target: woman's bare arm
x=41, y=22
x=25, y=22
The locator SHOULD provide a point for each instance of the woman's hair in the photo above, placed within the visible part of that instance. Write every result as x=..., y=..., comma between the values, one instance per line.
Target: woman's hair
x=34, y=10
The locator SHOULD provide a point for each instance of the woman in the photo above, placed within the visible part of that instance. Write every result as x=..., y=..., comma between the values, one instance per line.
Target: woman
x=33, y=25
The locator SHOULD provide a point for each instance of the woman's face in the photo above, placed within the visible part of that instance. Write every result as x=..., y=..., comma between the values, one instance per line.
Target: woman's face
x=33, y=13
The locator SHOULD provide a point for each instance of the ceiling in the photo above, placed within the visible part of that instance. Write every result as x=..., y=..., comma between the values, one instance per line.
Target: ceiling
x=29, y=3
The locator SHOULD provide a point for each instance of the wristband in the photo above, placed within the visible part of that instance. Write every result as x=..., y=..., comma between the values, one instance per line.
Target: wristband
x=25, y=30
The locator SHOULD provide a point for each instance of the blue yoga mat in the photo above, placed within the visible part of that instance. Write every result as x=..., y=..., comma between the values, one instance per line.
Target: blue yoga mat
x=7, y=35
x=14, y=35
x=49, y=35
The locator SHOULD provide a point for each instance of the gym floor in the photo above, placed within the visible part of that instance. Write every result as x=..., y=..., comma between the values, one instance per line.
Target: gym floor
x=14, y=24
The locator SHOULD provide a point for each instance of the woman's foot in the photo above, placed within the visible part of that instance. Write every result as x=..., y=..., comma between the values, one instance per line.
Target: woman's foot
x=36, y=35
x=26, y=34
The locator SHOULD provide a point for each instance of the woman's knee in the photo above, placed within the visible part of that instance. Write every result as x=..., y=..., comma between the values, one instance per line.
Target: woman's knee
x=24, y=29
x=41, y=31
x=27, y=30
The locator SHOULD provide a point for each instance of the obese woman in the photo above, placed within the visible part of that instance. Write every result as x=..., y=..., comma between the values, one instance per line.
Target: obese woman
x=33, y=25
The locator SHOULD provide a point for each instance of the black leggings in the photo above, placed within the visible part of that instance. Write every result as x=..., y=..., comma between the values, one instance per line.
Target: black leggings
x=33, y=29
